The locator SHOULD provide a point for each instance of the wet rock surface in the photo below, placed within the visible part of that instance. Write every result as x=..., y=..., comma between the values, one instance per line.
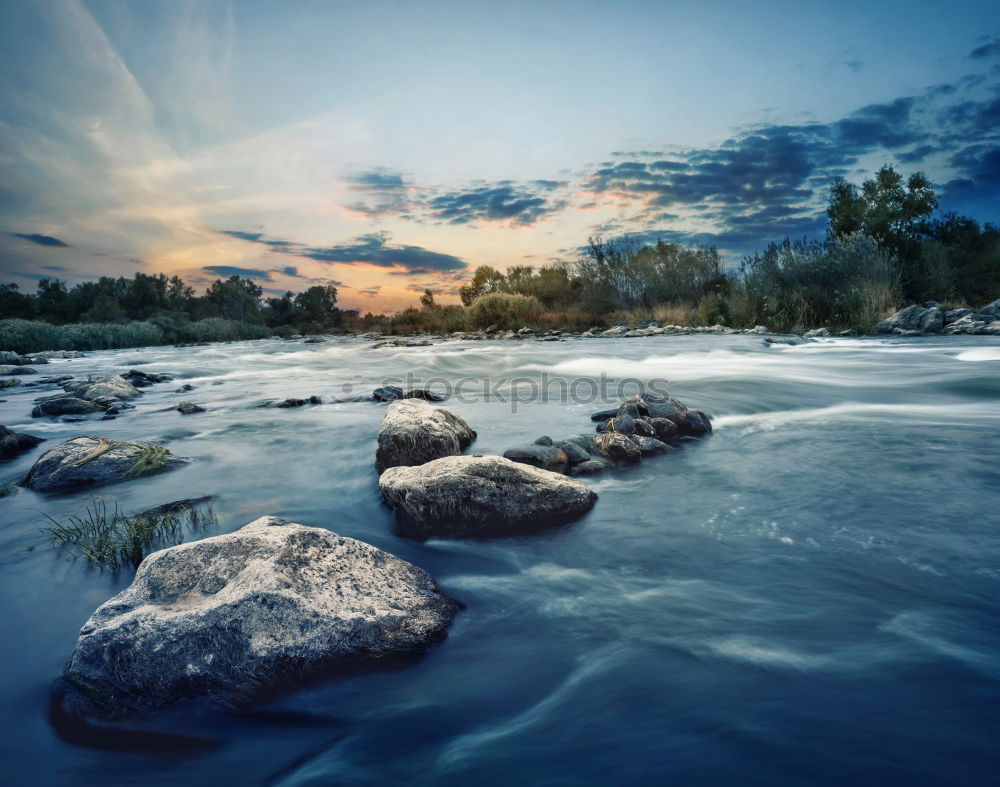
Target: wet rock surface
x=414, y=432
x=92, y=461
x=479, y=496
x=235, y=616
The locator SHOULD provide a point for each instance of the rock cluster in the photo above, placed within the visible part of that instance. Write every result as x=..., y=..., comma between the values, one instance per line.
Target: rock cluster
x=90, y=461
x=390, y=393
x=414, y=432
x=237, y=615
x=919, y=320
x=642, y=426
x=109, y=394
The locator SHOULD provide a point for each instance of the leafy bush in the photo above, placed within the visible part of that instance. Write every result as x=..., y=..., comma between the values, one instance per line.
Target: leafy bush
x=503, y=310
x=848, y=282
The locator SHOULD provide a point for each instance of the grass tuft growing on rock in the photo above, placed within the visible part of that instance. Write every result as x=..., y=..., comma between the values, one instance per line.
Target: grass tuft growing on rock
x=108, y=538
x=150, y=458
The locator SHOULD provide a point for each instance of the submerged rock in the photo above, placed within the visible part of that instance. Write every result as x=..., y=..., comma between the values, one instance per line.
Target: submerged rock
x=189, y=408
x=11, y=370
x=547, y=457
x=14, y=443
x=63, y=405
x=235, y=616
x=479, y=495
x=299, y=402
x=91, y=460
x=9, y=382
x=414, y=432
x=113, y=387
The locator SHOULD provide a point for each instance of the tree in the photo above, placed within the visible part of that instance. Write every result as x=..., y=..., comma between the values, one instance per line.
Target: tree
x=14, y=303
x=893, y=213
x=485, y=280
x=52, y=299
x=318, y=306
x=236, y=299
x=427, y=301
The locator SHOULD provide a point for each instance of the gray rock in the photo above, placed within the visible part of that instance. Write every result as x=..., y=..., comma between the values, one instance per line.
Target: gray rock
x=9, y=358
x=618, y=330
x=11, y=370
x=114, y=386
x=423, y=393
x=479, y=495
x=665, y=409
x=543, y=456
x=91, y=460
x=692, y=423
x=387, y=393
x=955, y=314
x=618, y=447
x=185, y=388
x=575, y=453
x=644, y=428
x=543, y=440
x=14, y=443
x=590, y=467
x=236, y=616
x=992, y=310
x=62, y=405
x=299, y=402
x=663, y=429
x=58, y=379
x=847, y=333
x=9, y=382
x=816, y=333
x=189, y=408
x=604, y=415
x=623, y=424
x=648, y=445
x=913, y=318
x=414, y=432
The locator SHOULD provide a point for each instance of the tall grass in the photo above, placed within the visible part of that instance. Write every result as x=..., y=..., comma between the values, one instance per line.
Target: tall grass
x=846, y=283
x=505, y=310
x=108, y=538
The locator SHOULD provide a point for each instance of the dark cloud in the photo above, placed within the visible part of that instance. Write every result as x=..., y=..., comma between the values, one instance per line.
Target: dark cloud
x=385, y=193
x=371, y=249
x=232, y=270
x=502, y=202
x=57, y=268
x=371, y=292
x=41, y=240
x=855, y=65
x=987, y=50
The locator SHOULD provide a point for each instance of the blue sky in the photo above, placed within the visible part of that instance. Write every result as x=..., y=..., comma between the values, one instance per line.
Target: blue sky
x=393, y=146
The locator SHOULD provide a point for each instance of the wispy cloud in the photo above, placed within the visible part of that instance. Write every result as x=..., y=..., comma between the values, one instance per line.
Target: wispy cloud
x=41, y=240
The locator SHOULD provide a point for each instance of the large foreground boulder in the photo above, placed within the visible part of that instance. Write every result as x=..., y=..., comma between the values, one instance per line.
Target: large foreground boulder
x=90, y=460
x=414, y=432
x=62, y=404
x=14, y=443
x=236, y=616
x=479, y=495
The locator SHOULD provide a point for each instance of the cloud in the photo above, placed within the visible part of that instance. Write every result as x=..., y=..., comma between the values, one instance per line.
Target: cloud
x=765, y=182
x=855, y=65
x=41, y=240
x=232, y=270
x=385, y=193
x=370, y=249
x=986, y=51
x=502, y=202
x=371, y=292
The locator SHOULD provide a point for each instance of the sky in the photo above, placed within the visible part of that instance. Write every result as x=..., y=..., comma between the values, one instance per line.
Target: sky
x=391, y=147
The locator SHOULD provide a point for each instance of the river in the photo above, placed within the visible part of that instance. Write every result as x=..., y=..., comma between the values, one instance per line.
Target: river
x=811, y=594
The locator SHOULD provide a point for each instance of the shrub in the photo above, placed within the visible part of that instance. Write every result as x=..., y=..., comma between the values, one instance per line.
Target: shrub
x=503, y=310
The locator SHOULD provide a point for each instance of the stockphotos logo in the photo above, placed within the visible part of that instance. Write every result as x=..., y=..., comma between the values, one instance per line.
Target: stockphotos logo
x=515, y=391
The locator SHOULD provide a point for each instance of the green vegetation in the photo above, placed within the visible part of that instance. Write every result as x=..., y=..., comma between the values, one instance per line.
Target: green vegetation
x=149, y=310
x=113, y=540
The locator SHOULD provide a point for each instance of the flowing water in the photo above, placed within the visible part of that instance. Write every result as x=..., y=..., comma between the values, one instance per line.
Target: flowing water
x=809, y=595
